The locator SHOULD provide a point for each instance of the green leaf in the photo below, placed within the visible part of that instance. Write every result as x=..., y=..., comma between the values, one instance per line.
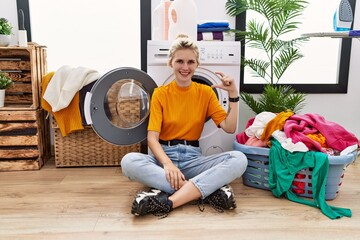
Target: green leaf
x=265, y=33
x=5, y=81
x=275, y=98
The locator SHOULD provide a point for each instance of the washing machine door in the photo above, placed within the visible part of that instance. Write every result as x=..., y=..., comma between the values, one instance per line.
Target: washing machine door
x=118, y=105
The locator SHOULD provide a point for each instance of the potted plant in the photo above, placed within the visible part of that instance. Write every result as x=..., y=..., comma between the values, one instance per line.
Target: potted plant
x=5, y=32
x=266, y=33
x=5, y=82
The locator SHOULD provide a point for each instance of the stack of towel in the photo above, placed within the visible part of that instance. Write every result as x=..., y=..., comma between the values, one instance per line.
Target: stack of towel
x=214, y=31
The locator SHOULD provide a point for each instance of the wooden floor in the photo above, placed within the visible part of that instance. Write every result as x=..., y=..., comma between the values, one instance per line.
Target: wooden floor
x=94, y=203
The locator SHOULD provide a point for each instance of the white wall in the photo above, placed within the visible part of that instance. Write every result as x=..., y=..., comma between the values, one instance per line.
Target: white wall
x=102, y=35
x=8, y=10
x=113, y=30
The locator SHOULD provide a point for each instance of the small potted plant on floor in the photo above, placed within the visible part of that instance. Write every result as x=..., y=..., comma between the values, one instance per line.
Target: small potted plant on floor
x=266, y=33
x=5, y=83
x=5, y=32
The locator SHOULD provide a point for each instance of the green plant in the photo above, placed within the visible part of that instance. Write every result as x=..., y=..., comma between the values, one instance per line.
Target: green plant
x=5, y=81
x=5, y=26
x=266, y=33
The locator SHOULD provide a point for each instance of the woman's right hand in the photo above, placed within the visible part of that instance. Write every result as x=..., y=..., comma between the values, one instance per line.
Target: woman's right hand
x=174, y=175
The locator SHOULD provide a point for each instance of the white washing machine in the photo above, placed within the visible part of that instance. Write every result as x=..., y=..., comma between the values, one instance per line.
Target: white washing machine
x=214, y=57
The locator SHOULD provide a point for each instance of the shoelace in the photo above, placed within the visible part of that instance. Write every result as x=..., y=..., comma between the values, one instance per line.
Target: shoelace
x=214, y=204
x=201, y=205
x=158, y=209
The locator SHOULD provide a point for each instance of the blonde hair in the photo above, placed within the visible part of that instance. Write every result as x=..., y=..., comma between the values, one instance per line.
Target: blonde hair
x=183, y=41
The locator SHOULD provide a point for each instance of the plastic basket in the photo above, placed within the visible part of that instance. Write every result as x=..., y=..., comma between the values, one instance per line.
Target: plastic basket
x=257, y=172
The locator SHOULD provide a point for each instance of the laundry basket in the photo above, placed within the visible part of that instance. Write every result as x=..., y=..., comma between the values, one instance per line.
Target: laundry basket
x=85, y=148
x=257, y=172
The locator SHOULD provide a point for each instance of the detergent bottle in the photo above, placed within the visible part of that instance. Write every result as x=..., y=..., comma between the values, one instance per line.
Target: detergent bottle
x=160, y=21
x=157, y=22
x=182, y=16
x=166, y=19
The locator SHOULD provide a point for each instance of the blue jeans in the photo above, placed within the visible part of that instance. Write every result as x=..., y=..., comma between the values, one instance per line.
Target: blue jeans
x=207, y=173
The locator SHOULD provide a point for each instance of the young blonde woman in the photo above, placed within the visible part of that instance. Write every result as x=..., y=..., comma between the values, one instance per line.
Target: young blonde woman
x=176, y=171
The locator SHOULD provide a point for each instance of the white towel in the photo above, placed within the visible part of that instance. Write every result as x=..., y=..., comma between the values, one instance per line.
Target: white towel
x=260, y=121
x=65, y=83
x=287, y=143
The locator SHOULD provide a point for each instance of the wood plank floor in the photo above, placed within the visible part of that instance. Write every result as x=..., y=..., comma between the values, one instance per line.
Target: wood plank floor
x=94, y=203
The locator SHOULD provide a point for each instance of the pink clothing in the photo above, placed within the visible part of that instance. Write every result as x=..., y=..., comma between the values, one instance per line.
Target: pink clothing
x=242, y=137
x=255, y=142
x=298, y=126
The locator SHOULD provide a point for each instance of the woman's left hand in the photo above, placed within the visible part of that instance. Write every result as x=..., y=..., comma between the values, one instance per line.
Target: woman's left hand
x=227, y=83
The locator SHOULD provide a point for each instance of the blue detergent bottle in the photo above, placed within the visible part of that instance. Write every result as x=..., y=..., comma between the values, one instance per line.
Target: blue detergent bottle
x=343, y=16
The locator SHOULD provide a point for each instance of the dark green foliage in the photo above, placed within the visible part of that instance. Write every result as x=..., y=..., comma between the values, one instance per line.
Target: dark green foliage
x=275, y=98
x=5, y=81
x=5, y=26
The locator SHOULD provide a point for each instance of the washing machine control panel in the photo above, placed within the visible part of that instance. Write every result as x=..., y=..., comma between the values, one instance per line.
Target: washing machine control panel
x=219, y=55
x=215, y=54
x=218, y=52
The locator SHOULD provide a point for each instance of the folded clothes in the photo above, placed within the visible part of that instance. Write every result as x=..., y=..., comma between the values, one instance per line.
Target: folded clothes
x=214, y=29
x=215, y=36
x=213, y=25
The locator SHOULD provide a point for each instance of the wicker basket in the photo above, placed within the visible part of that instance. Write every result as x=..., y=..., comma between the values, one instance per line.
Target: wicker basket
x=86, y=148
x=257, y=172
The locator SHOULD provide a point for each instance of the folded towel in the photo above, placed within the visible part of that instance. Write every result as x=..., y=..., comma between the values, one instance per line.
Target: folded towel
x=213, y=25
x=65, y=83
x=214, y=29
x=216, y=36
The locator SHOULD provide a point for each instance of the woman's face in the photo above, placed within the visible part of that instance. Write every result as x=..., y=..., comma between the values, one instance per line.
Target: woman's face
x=184, y=65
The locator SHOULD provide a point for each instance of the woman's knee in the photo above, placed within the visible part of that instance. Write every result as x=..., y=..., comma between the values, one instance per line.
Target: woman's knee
x=239, y=161
x=128, y=161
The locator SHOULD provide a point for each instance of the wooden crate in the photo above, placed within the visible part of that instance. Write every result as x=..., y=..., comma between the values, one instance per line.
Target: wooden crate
x=26, y=66
x=86, y=148
x=24, y=139
x=24, y=131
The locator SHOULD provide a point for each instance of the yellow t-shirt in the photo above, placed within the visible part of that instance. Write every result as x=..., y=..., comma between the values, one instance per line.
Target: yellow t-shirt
x=180, y=113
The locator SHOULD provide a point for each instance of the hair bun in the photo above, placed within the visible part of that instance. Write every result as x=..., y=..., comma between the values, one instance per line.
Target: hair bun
x=182, y=35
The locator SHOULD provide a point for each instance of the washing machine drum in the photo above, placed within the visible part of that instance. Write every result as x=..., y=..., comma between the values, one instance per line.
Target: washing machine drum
x=117, y=107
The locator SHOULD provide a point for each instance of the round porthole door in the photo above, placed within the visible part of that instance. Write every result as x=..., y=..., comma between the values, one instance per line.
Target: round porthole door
x=118, y=105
